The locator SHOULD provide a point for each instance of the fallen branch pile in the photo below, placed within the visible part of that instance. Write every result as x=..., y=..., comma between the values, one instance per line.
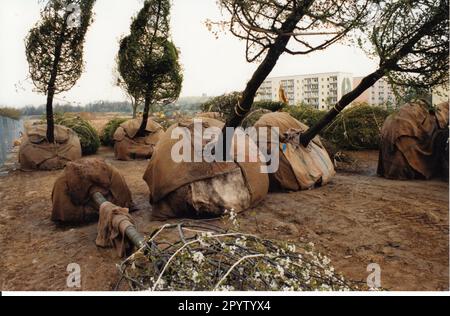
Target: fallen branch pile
x=203, y=257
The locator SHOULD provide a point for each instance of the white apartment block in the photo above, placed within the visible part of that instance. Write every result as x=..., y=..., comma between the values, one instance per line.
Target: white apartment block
x=319, y=90
x=380, y=94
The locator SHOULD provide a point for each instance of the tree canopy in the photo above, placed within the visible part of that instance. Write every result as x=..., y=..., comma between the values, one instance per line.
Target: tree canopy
x=415, y=33
x=54, y=49
x=273, y=27
x=409, y=37
x=148, y=60
x=311, y=24
x=411, y=40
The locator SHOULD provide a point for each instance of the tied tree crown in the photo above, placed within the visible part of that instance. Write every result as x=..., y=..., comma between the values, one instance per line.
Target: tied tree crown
x=54, y=49
x=148, y=60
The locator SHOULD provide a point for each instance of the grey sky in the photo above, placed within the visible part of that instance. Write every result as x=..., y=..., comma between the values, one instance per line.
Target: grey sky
x=212, y=66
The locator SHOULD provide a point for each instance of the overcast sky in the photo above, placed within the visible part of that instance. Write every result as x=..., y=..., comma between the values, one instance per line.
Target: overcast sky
x=212, y=66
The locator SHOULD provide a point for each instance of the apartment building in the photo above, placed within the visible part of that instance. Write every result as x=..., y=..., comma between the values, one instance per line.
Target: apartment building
x=319, y=90
x=380, y=94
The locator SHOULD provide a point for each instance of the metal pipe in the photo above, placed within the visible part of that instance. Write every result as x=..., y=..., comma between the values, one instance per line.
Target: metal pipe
x=131, y=232
x=135, y=237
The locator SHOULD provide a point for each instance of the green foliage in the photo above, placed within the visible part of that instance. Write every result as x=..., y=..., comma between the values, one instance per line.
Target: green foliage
x=147, y=60
x=89, y=139
x=305, y=113
x=53, y=33
x=11, y=113
x=356, y=128
x=411, y=39
x=223, y=104
x=110, y=128
x=54, y=49
x=272, y=106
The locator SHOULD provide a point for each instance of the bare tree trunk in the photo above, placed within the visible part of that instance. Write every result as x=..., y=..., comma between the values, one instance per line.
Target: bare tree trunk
x=51, y=84
x=141, y=131
x=49, y=114
x=264, y=69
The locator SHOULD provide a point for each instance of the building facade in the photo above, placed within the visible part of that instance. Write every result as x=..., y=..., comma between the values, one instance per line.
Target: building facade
x=320, y=90
x=380, y=94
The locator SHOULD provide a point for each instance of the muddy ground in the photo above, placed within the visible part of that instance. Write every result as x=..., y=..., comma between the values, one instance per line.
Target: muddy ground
x=356, y=220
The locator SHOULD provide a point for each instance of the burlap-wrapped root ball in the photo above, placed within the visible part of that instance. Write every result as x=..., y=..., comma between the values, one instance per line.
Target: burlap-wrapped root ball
x=36, y=153
x=300, y=168
x=129, y=147
x=410, y=140
x=72, y=191
x=201, y=189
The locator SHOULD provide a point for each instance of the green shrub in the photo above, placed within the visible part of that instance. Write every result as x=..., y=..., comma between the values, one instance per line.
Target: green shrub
x=306, y=114
x=223, y=104
x=107, y=137
x=89, y=139
x=272, y=106
x=356, y=128
x=11, y=113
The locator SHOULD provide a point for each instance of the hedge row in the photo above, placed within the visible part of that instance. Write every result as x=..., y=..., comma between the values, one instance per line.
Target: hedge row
x=356, y=128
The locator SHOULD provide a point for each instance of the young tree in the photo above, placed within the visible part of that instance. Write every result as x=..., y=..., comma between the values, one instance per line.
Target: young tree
x=297, y=27
x=411, y=39
x=148, y=60
x=54, y=49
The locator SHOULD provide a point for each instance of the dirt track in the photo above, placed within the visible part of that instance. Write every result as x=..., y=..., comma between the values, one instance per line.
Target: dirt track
x=358, y=219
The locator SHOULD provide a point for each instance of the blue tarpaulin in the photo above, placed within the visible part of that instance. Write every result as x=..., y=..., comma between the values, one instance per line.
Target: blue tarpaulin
x=9, y=131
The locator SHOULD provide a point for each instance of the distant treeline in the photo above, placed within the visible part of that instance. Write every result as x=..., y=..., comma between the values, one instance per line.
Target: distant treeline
x=11, y=113
x=97, y=107
x=187, y=104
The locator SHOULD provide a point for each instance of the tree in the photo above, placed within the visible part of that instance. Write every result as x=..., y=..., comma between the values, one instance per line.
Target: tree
x=54, y=49
x=148, y=60
x=411, y=39
x=268, y=27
